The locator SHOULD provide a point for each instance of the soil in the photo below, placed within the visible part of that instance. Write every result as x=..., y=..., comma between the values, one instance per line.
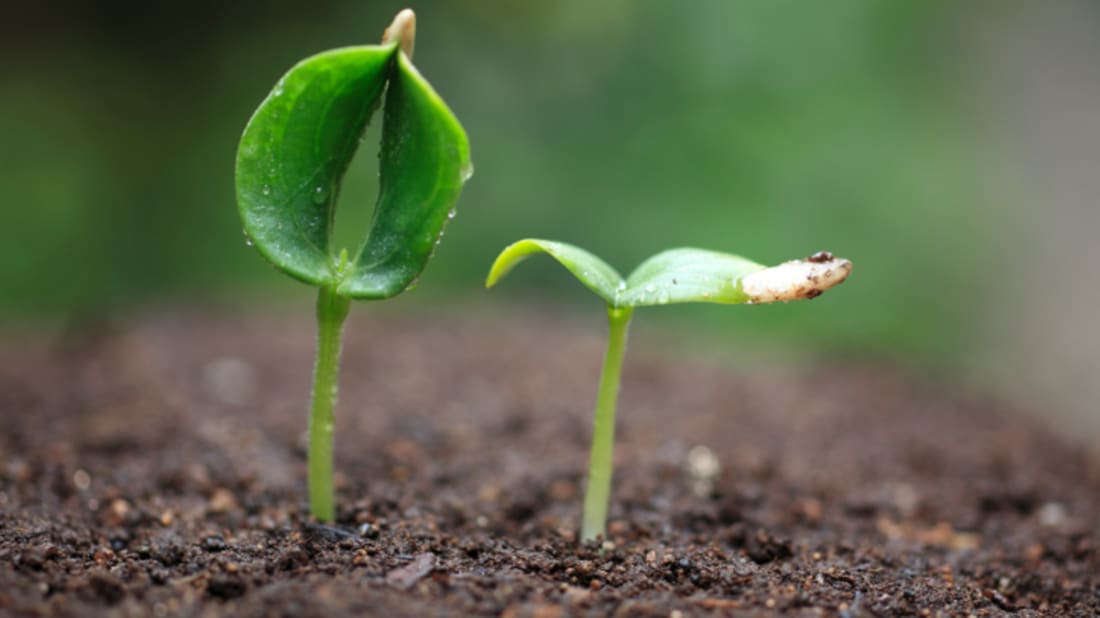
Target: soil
x=158, y=470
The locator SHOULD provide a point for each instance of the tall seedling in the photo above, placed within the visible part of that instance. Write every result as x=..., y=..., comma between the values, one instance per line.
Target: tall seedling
x=290, y=165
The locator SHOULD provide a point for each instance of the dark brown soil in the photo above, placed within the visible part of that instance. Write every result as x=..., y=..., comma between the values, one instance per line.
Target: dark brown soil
x=158, y=470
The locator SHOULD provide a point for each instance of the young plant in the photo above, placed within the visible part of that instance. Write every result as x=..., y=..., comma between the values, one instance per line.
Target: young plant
x=290, y=165
x=673, y=276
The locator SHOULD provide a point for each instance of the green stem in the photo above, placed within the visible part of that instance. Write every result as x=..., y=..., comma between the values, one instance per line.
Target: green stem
x=332, y=309
x=598, y=494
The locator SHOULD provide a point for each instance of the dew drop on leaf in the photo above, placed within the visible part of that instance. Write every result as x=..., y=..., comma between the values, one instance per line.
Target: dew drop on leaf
x=451, y=214
x=266, y=190
x=649, y=289
x=320, y=194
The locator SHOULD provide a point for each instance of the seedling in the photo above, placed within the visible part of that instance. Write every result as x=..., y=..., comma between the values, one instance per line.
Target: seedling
x=290, y=165
x=673, y=276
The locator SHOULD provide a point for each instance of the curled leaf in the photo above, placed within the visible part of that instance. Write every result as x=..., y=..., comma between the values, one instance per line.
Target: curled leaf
x=425, y=160
x=295, y=151
x=590, y=270
x=298, y=145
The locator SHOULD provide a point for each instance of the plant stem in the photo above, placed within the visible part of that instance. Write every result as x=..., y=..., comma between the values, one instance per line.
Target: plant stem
x=332, y=309
x=598, y=494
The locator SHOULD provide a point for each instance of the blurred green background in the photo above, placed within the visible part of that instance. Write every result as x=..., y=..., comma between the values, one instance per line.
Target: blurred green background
x=770, y=128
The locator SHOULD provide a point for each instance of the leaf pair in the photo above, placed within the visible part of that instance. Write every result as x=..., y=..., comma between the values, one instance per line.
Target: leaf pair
x=684, y=275
x=298, y=145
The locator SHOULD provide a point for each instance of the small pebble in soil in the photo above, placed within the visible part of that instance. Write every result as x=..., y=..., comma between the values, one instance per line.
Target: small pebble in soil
x=103, y=557
x=116, y=514
x=1051, y=515
x=703, y=468
x=82, y=480
x=326, y=533
x=221, y=501
x=214, y=542
x=404, y=577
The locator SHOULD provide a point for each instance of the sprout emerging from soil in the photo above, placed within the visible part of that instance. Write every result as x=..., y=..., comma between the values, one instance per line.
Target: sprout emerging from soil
x=674, y=276
x=290, y=165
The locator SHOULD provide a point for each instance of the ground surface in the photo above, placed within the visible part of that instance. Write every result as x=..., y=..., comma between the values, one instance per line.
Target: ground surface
x=158, y=470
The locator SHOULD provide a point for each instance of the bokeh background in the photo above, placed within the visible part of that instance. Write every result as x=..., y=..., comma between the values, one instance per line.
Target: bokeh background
x=951, y=150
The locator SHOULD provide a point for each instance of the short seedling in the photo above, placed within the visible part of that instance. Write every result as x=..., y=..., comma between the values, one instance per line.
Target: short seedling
x=290, y=165
x=673, y=276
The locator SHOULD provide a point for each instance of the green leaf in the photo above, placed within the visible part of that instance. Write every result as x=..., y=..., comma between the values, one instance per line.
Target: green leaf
x=425, y=160
x=295, y=151
x=688, y=275
x=593, y=272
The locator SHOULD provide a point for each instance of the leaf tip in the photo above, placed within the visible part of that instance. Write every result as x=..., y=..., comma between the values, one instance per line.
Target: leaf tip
x=500, y=267
x=402, y=31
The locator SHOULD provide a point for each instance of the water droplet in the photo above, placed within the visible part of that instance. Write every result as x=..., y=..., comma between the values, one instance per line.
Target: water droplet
x=247, y=238
x=467, y=171
x=266, y=190
x=278, y=91
x=649, y=289
x=320, y=194
x=452, y=213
